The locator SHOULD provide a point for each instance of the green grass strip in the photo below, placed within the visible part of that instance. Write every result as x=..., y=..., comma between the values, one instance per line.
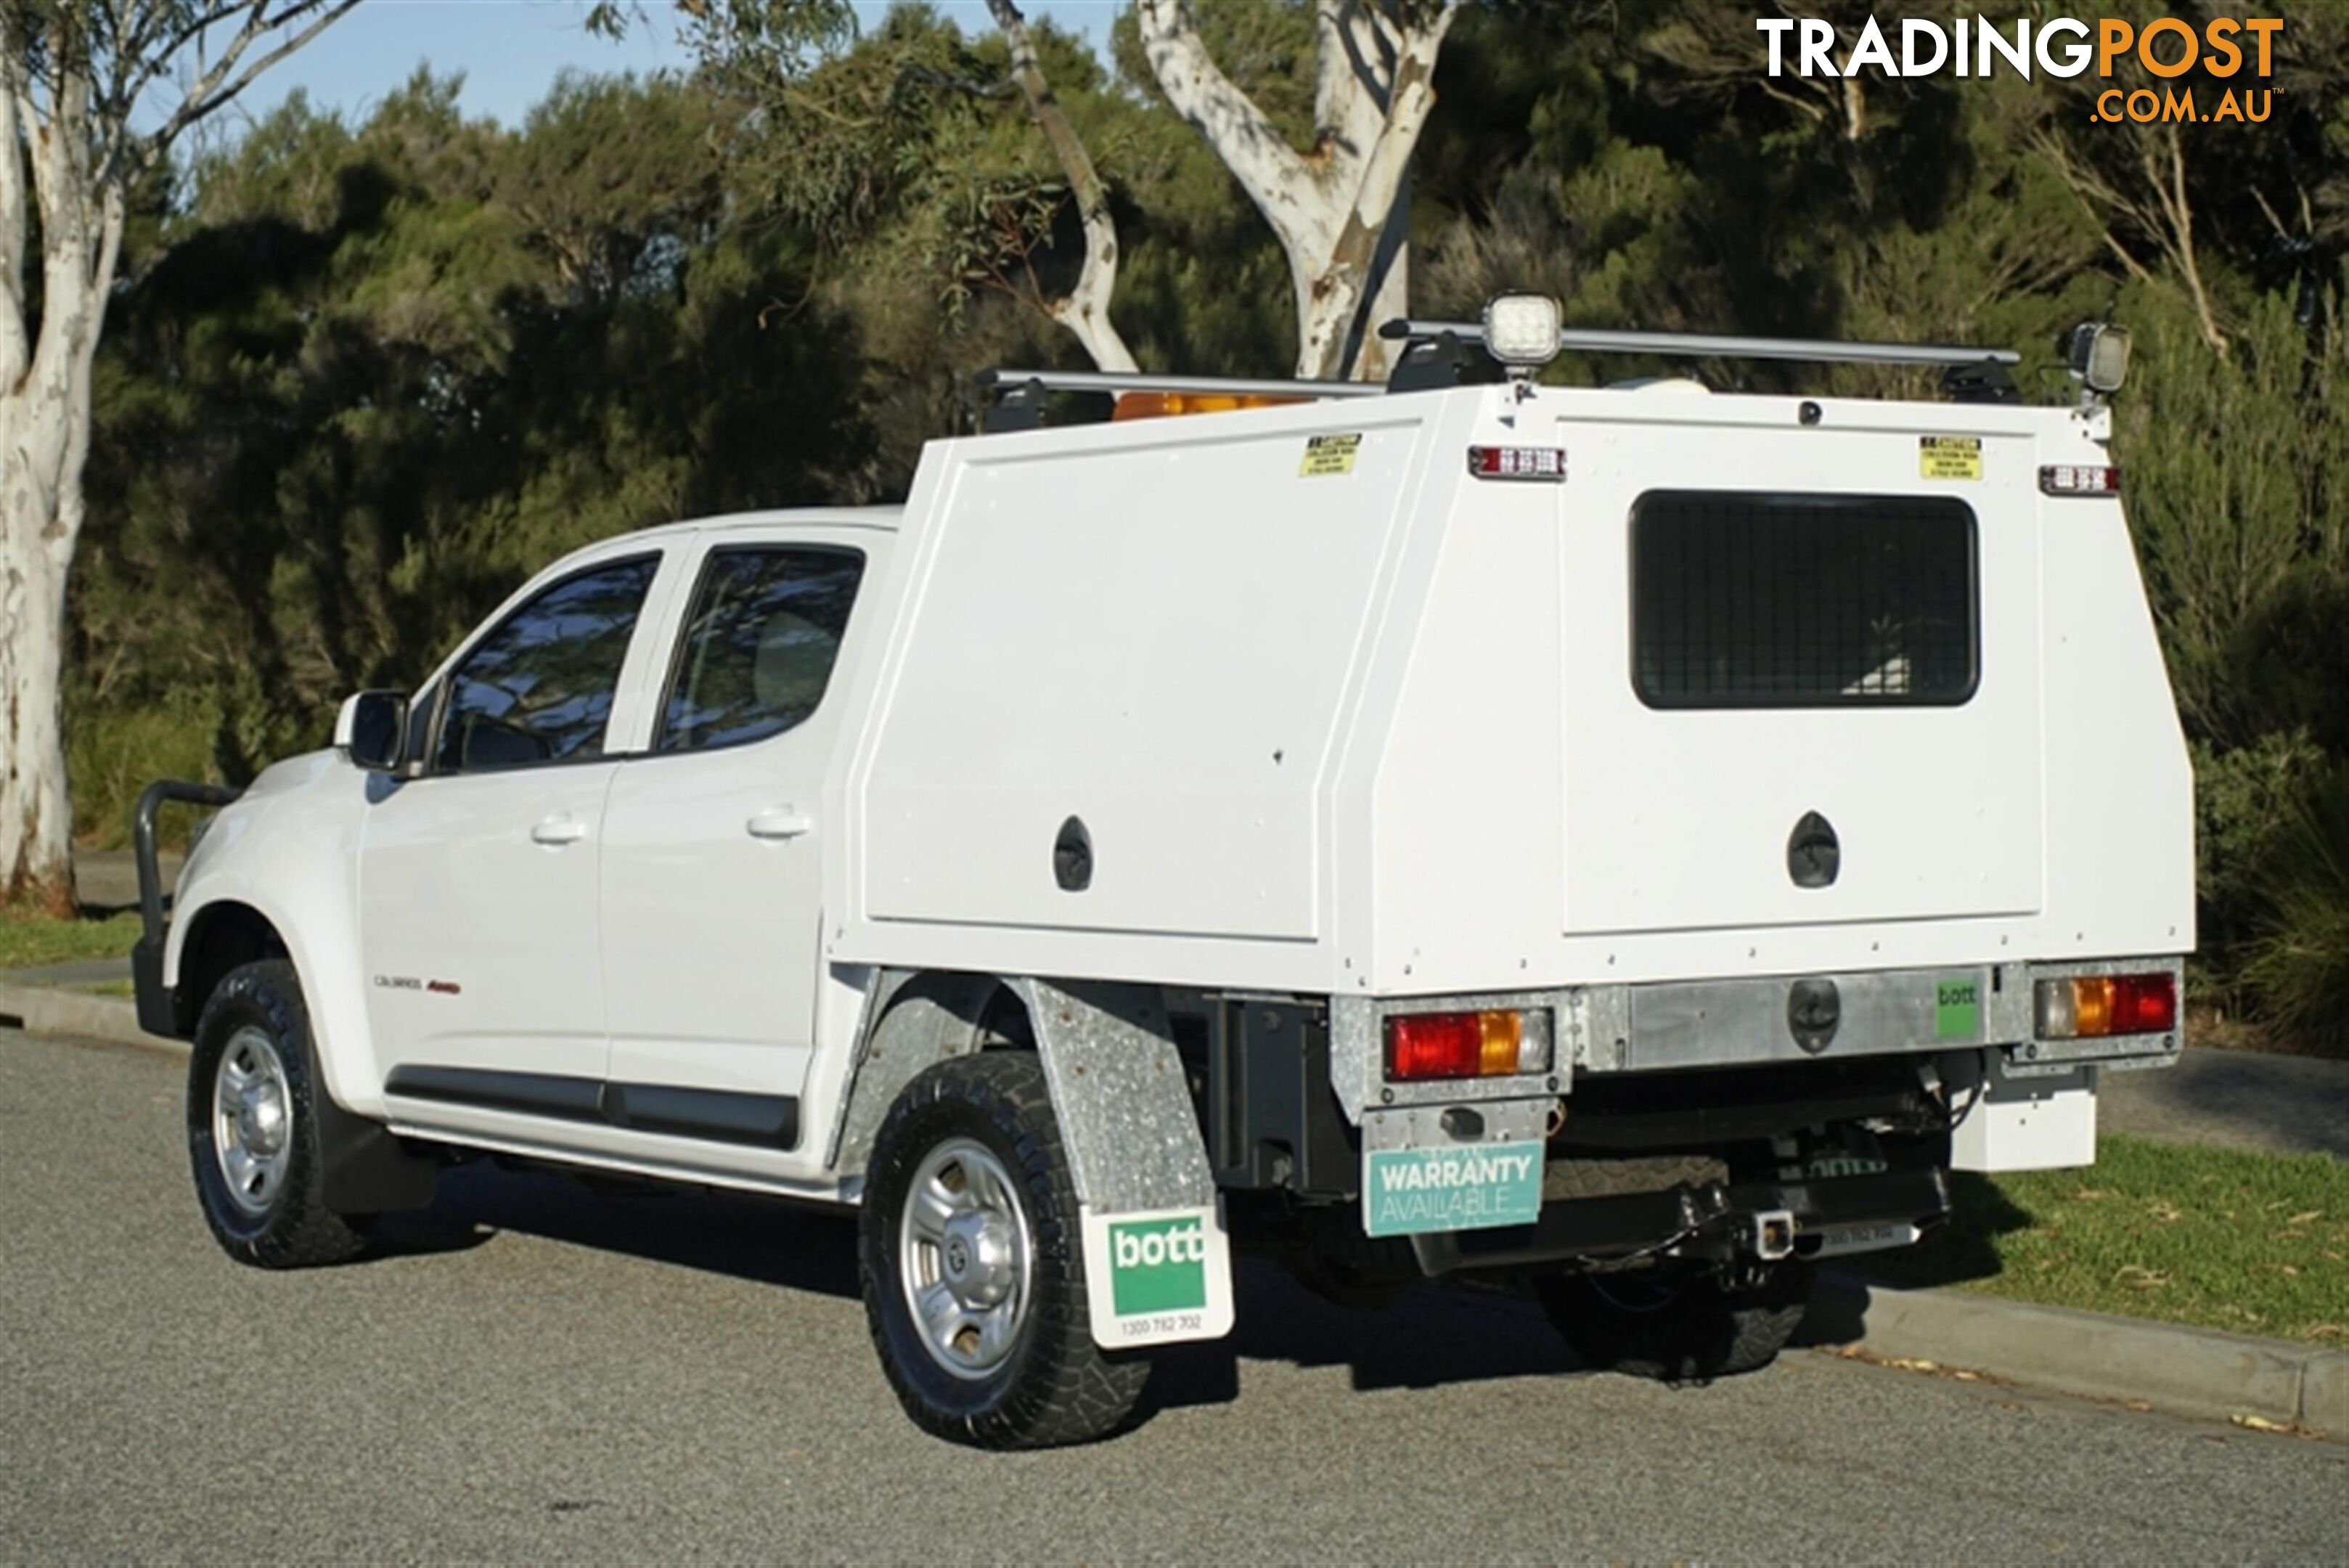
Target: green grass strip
x=2227, y=1239
x=27, y=940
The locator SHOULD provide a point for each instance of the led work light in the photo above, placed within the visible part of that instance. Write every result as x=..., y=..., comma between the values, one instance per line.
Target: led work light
x=1521, y=329
x=2099, y=356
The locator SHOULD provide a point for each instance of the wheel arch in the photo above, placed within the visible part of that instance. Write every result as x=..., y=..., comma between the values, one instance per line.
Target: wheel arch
x=221, y=937
x=1116, y=1079
x=222, y=923
x=918, y=1019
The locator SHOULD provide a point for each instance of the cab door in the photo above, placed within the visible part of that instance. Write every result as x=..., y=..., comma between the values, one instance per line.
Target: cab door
x=712, y=862
x=478, y=876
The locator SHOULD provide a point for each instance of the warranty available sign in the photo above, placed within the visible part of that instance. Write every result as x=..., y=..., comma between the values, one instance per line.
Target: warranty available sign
x=1465, y=1187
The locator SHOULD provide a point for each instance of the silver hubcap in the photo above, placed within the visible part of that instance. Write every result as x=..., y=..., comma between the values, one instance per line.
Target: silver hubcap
x=962, y=1258
x=252, y=1119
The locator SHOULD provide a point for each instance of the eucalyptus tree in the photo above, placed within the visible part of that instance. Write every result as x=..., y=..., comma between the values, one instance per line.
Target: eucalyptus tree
x=1339, y=205
x=93, y=94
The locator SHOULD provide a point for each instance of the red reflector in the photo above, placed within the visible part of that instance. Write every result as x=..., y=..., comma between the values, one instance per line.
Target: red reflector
x=1517, y=462
x=2143, y=1004
x=1434, y=1045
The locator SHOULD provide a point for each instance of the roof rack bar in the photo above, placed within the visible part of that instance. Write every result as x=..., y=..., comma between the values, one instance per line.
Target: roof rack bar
x=1125, y=381
x=1822, y=351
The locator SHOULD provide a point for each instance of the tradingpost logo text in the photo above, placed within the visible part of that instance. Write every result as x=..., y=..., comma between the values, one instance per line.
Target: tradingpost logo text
x=2230, y=59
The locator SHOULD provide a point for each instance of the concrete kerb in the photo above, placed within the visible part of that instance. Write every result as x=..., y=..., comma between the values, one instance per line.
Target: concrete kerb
x=45, y=1009
x=2185, y=1371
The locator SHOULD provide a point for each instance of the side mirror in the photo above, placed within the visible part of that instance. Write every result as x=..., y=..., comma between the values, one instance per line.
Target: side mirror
x=370, y=728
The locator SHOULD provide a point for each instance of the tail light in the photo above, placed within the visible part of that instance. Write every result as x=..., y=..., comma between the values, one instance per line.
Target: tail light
x=2092, y=1005
x=1495, y=1043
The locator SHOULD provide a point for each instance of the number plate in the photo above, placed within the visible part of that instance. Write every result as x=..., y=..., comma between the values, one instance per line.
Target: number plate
x=1464, y=1187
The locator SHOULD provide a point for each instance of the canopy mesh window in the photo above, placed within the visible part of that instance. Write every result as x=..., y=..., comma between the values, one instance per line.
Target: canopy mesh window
x=1751, y=599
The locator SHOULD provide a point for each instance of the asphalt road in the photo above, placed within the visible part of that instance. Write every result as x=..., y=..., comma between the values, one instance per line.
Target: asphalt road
x=537, y=1372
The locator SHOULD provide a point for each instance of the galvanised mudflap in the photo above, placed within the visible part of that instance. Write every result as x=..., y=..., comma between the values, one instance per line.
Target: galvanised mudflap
x=1709, y=1221
x=1157, y=1256
x=157, y=1014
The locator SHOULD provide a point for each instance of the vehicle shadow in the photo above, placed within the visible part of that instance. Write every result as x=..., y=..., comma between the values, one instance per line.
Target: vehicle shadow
x=1966, y=1247
x=1437, y=1334
x=1443, y=1332
x=1440, y=1333
x=740, y=1234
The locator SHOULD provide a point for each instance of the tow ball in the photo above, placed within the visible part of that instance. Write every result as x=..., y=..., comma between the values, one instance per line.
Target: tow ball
x=1772, y=1234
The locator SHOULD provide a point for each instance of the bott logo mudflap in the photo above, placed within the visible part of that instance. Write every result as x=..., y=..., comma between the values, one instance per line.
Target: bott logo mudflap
x=1157, y=1277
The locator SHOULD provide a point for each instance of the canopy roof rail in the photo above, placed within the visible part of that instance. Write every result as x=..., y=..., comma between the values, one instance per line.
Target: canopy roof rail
x=1005, y=381
x=1821, y=351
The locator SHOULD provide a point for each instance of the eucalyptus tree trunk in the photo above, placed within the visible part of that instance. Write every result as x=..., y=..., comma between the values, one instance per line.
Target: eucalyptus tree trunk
x=1339, y=209
x=72, y=74
x=45, y=418
x=1084, y=311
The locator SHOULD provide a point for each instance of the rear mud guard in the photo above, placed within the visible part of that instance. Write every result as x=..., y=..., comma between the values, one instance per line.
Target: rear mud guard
x=1157, y=1258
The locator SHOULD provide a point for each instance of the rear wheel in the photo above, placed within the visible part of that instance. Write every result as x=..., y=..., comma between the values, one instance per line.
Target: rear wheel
x=973, y=1267
x=1678, y=1324
x=253, y=1124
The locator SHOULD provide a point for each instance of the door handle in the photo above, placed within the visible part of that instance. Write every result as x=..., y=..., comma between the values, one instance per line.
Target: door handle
x=780, y=822
x=559, y=830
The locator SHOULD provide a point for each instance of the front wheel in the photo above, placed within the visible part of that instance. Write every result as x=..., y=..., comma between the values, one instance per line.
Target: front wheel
x=253, y=1124
x=972, y=1268
x=1678, y=1324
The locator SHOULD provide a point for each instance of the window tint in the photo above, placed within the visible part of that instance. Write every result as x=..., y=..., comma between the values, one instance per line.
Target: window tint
x=760, y=645
x=539, y=688
x=1743, y=599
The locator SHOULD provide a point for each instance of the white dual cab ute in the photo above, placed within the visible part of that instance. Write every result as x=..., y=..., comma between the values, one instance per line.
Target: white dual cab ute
x=1633, y=842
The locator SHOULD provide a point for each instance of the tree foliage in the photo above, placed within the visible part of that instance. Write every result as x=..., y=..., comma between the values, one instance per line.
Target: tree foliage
x=369, y=375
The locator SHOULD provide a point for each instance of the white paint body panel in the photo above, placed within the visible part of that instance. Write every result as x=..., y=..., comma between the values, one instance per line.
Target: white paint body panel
x=478, y=940
x=2029, y=1124
x=710, y=959
x=1125, y=623
x=1938, y=807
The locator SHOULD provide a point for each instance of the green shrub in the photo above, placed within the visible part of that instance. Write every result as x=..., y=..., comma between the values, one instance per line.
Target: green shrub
x=115, y=751
x=2243, y=799
x=2296, y=965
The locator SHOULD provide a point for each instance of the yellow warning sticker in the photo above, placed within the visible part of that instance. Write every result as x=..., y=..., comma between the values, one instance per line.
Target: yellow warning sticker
x=1949, y=457
x=1328, y=454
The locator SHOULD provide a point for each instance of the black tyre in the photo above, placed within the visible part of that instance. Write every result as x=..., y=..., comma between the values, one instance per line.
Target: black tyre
x=1677, y=1325
x=253, y=1124
x=973, y=1267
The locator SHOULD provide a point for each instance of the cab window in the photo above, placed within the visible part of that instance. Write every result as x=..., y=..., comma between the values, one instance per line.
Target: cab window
x=759, y=645
x=539, y=689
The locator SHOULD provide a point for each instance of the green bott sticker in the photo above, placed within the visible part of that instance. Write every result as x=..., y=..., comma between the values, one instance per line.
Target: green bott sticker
x=1158, y=1265
x=1957, y=1008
